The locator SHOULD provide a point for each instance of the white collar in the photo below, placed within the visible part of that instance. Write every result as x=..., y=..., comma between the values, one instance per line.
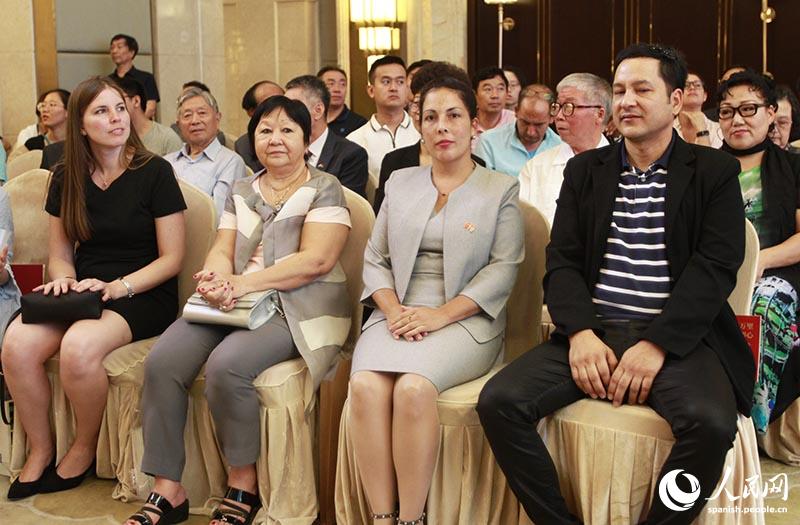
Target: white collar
x=315, y=148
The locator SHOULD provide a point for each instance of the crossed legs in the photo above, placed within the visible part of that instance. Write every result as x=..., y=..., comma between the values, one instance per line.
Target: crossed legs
x=394, y=424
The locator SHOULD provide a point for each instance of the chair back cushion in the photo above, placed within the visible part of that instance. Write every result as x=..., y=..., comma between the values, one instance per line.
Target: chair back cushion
x=742, y=294
x=27, y=194
x=525, y=304
x=201, y=218
x=23, y=163
x=362, y=219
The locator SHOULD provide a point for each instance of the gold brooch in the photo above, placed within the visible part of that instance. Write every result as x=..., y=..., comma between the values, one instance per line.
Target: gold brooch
x=469, y=227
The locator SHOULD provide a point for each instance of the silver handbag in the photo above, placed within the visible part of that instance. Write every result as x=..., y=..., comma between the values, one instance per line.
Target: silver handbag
x=251, y=310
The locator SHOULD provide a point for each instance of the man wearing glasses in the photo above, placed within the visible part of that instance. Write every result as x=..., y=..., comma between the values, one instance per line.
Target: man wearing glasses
x=507, y=148
x=691, y=123
x=581, y=114
x=647, y=239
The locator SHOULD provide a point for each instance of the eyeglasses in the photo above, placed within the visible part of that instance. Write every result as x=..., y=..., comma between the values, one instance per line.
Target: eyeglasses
x=41, y=106
x=745, y=110
x=568, y=108
x=694, y=85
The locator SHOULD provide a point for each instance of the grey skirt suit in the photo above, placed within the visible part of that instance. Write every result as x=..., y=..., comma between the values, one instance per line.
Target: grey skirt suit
x=471, y=247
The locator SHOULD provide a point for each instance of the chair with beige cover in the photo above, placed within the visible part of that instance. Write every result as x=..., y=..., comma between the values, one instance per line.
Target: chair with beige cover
x=124, y=365
x=467, y=486
x=782, y=440
x=287, y=465
x=603, y=484
x=24, y=162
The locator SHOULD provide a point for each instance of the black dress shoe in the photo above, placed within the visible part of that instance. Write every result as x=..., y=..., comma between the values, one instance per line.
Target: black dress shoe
x=25, y=489
x=52, y=482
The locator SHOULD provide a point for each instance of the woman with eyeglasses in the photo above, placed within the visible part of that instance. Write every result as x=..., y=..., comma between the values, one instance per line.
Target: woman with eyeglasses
x=770, y=181
x=53, y=109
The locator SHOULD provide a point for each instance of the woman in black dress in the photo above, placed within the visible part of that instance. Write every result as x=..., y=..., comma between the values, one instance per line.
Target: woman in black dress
x=122, y=207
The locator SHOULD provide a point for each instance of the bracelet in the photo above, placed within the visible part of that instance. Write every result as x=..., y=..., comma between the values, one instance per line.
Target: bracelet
x=704, y=133
x=127, y=285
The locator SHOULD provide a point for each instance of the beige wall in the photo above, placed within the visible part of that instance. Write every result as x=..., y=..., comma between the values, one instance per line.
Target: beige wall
x=274, y=40
x=17, y=67
x=189, y=44
x=437, y=30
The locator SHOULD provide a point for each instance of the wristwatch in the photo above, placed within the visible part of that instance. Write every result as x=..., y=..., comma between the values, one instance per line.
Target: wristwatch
x=127, y=285
x=703, y=133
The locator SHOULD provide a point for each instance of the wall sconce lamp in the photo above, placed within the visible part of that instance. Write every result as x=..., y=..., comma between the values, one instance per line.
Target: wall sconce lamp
x=503, y=24
x=376, y=21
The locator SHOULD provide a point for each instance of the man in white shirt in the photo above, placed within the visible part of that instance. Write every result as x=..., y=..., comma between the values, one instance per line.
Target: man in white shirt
x=327, y=151
x=581, y=112
x=691, y=124
x=390, y=126
x=202, y=160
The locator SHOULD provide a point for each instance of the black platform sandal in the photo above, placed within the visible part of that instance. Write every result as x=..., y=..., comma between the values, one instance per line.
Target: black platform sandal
x=229, y=512
x=161, y=507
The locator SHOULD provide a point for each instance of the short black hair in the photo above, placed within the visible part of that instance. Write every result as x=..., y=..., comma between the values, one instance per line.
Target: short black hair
x=487, y=73
x=294, y=109
x=782, y=91
x=325, y=69
x=197, y=84
x=434, y=70
x=523, y=80
x=132, y=88
x=384, y=61
x=418, y=64
x=464, y=92
x=249, y=101
x=672, y=68
x=759, y=83
x=695, y=73
x=63, y=94
x=131, y=42
x=313, y=85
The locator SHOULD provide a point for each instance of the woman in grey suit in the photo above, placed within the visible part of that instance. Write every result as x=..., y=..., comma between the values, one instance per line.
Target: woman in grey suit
x=439, y=268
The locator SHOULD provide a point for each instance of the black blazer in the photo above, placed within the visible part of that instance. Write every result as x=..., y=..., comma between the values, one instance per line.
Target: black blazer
x=347, y=161
x=398, y=159
x=705, y=247
x=245, y=150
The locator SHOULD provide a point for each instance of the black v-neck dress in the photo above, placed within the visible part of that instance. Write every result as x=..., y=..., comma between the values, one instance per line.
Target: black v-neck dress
x=123, y=239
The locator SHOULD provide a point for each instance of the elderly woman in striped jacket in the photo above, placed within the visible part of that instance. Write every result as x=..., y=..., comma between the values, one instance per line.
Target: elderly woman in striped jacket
x=283, y=228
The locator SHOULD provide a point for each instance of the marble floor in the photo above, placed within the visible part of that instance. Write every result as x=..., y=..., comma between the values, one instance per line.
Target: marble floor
x=91, y=504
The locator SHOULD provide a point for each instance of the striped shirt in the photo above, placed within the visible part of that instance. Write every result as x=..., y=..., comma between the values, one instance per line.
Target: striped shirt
x=634, y=280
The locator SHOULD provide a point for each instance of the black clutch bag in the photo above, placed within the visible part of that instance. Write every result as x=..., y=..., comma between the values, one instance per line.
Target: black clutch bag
x=64, y=308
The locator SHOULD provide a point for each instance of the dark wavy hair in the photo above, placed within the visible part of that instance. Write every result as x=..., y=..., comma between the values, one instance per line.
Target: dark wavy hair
x=757, y=82
x=463, y=91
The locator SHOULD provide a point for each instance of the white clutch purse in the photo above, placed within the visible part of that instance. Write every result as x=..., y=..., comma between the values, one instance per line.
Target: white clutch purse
x=251, y=310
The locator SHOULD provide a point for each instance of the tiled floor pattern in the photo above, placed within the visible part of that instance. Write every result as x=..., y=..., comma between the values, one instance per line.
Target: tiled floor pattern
x=91, y=504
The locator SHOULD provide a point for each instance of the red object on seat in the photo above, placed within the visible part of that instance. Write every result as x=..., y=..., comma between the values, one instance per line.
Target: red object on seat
x=28, y=276
x=751, y=329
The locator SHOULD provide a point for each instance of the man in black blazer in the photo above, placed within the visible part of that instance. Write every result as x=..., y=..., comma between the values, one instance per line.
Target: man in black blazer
x=327, y=151
x=647, y=239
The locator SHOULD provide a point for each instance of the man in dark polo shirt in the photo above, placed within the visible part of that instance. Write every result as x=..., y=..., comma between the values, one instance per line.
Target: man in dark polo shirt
x=123, y=50
x=341, y=120
x=646, y=242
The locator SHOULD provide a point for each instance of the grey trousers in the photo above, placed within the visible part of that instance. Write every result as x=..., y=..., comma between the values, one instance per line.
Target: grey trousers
x=234, y=358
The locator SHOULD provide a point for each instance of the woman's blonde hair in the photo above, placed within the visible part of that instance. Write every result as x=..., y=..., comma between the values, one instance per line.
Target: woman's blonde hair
x=79, y=162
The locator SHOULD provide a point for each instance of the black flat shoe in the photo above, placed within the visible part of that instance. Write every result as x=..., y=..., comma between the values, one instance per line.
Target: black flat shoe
x=161, y=507
x=55, y=483
x=229, y=512
x=25, y=489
